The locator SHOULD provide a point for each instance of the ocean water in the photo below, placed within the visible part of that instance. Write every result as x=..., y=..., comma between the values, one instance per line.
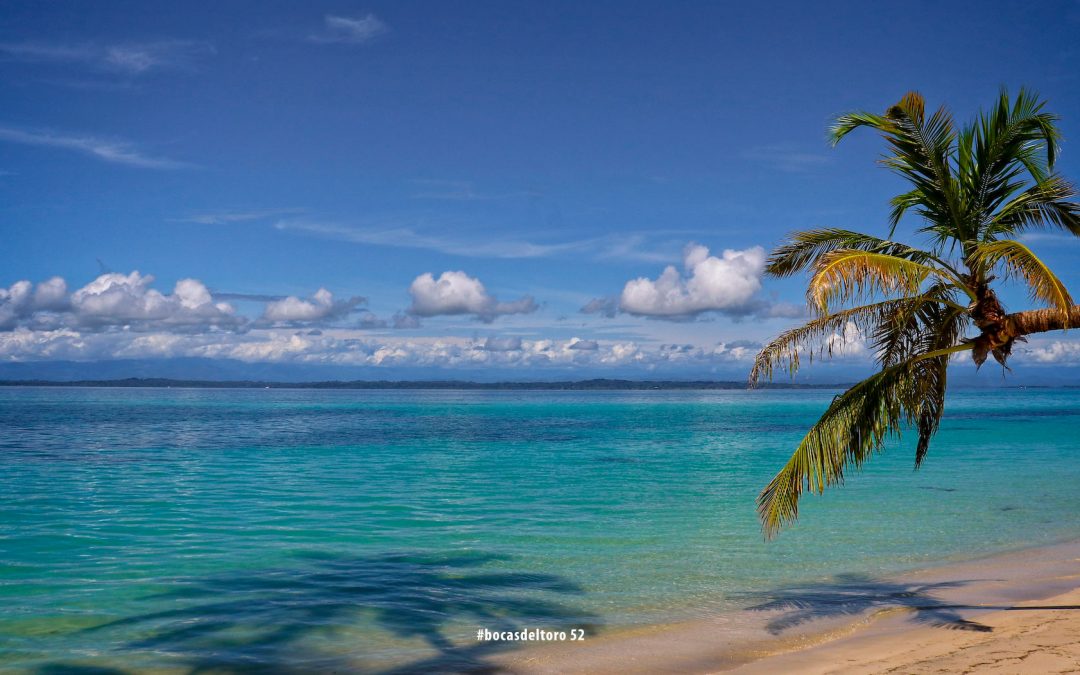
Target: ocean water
x=294, y=530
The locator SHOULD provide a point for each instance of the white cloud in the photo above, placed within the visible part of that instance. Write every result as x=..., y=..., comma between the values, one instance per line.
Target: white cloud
x=51, y=295
x=319, y=307
x=479, y=242
x=846, y=344
x=623, y=353
x=136, y=59
x=583, y=345
x=408, y=237
x=737, y=350
x=350, y=30
x=231, y=217
x=130, y=302
x=15, y=302
x=456, y=293
x=117, y=152
x=130, y=59
x=114, y=301
x=22, y=300
x=727, y=283
x=127, y=300
x=1053, y=352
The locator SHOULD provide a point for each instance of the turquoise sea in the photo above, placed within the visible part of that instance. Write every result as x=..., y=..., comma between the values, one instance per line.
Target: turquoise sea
x=377, y=531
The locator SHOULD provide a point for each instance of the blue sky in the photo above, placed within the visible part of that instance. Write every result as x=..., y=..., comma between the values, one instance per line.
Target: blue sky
x=308, y=164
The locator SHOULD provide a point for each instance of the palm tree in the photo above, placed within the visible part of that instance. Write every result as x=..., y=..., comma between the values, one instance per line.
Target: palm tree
x=977, y=189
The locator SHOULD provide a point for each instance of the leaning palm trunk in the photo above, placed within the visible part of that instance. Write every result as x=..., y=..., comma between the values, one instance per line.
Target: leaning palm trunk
x=999, y=336
x=1041, y=321
x=977, y=189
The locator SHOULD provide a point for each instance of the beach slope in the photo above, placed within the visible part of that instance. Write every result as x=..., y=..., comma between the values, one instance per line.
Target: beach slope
x=1041, y=636
x=1015, y=612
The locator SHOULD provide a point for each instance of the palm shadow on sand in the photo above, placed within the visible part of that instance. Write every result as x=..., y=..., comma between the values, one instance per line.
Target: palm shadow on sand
x=853, y=595
x=274, y=620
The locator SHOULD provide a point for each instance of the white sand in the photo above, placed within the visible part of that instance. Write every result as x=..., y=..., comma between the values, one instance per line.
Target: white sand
x=1011, y=613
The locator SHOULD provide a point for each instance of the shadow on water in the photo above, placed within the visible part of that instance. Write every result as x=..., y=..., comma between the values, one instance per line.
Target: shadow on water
x=302, y=618
x=852, y=595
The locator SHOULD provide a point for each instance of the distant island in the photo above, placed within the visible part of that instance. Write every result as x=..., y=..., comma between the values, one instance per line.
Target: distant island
x=576, y=385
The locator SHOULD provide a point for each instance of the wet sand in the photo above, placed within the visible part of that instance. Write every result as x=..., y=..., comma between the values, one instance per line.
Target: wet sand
x=1017, y=612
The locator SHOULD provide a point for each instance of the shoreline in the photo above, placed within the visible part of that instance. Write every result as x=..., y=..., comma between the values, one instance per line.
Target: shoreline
x=854, y=624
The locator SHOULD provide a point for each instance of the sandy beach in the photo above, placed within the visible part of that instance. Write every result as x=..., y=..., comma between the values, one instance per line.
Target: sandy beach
x=1017, y=612
x=1040, y=636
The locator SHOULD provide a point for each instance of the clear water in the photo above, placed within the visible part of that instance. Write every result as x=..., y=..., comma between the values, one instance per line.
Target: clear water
x=295, y=530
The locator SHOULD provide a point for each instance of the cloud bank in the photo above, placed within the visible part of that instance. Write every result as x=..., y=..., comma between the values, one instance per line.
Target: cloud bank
x=342, y=347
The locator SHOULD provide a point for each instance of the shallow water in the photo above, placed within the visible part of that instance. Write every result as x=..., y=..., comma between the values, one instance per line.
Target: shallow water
x=304, y=529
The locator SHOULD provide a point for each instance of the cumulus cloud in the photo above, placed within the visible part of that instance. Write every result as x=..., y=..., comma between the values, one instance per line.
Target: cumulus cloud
x=51, y=295
x=124, y=301
x=350, y=30
x=737, y=350
x=727, y=283
x=456, y=293
x=583, y=345
x=129, y=301
x=320, y=307
x=22, y=300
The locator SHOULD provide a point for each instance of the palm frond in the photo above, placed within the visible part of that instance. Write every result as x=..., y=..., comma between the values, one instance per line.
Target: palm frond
x=848, y=122
x=855, y=427
x=930, y=406
x=844, y=275
x=812, y=338
x=903, y=203
x=898, y=328
x=1045, y=204
x=1013, y=134
x=804, y=249
x=922, y=152
x=922, y=146
x=930, y=321
x=1020, y=262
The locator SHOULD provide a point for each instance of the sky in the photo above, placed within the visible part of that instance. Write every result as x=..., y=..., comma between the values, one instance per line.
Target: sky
x=474, y=190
